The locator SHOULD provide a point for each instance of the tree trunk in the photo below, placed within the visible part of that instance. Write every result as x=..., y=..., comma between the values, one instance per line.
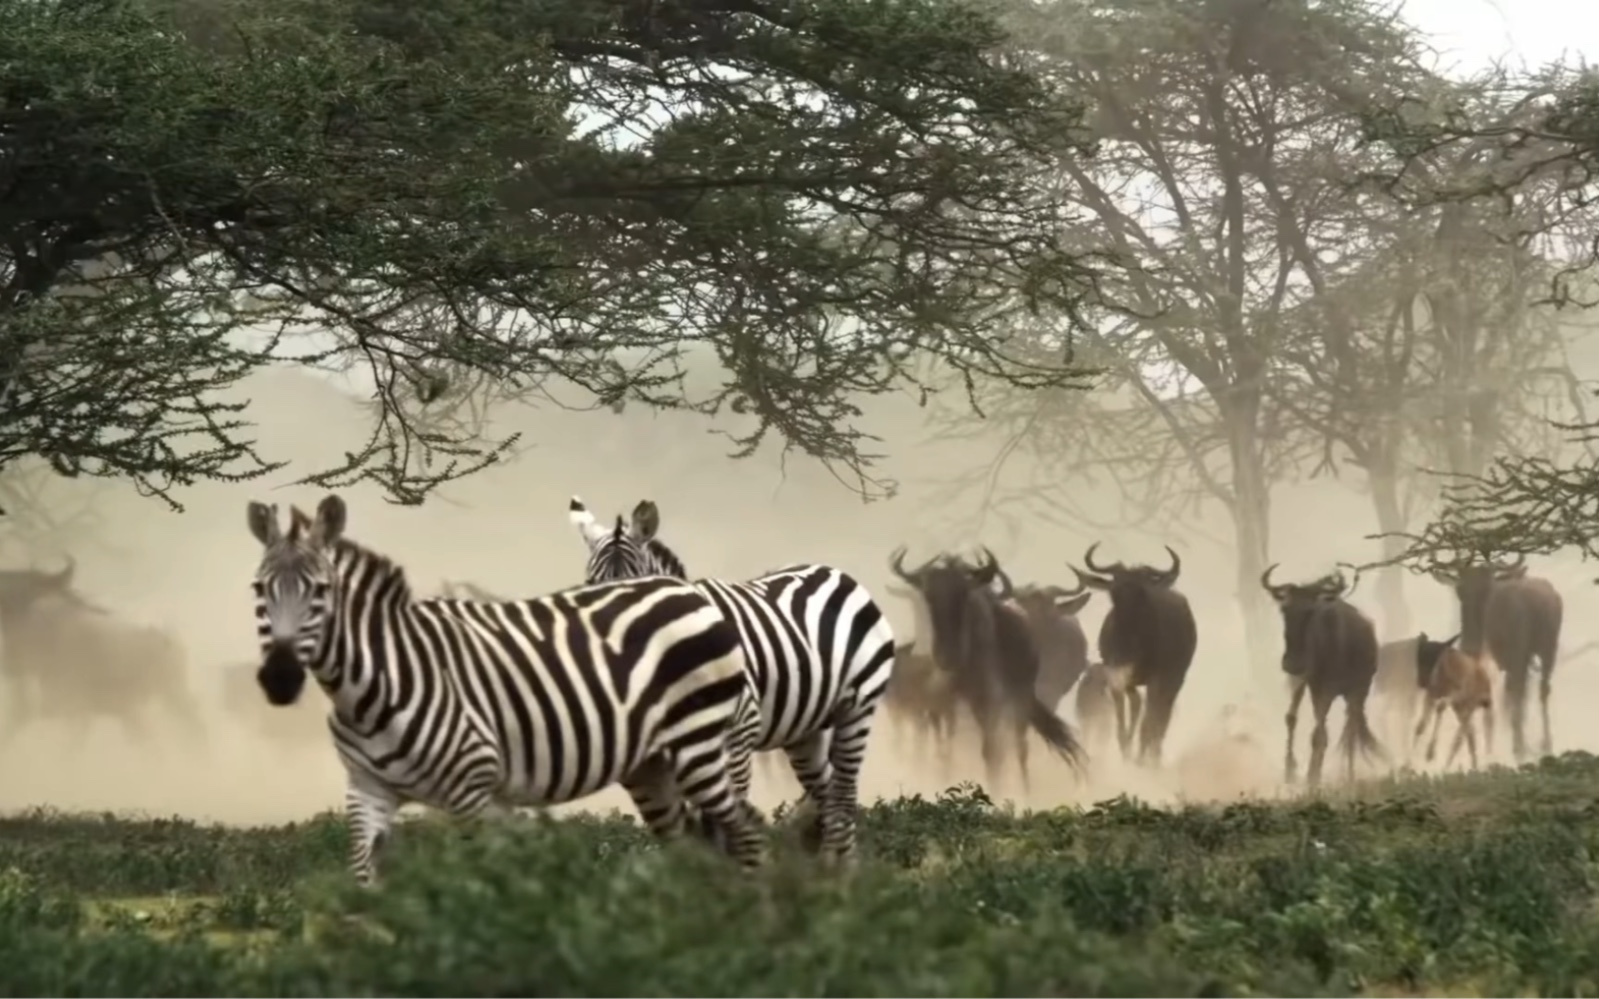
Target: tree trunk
x=1391, y=579
x=1251, y=512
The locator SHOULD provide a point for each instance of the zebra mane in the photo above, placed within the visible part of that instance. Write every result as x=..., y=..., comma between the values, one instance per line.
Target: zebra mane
x=351, y=556
x=665, y=559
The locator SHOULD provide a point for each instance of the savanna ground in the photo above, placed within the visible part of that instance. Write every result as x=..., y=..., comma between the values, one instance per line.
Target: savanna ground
x=1206, y=877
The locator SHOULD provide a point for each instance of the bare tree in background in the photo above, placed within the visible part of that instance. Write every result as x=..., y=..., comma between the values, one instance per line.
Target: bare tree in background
x=1432, y=354
x=1225, y=132
x=1532, y=152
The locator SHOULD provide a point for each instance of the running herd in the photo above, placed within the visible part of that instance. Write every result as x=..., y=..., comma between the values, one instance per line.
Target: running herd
x=668, y=685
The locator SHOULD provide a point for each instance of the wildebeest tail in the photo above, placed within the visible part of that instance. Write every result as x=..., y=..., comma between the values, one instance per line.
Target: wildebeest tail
x=1054, y=730
x=1357, y=737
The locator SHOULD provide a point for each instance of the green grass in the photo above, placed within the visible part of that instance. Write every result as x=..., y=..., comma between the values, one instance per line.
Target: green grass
x=1465, y=885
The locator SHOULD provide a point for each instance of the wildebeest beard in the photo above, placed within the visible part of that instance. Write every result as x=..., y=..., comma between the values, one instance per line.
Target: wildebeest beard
x=282, y=675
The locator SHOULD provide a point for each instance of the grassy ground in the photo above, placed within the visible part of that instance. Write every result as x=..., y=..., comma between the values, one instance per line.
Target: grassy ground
x=1479, y=885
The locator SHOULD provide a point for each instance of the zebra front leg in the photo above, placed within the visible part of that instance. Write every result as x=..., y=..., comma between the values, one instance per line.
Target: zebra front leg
x=370, y=811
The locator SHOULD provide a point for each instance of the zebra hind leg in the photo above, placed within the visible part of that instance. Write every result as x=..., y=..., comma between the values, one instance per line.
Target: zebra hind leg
x=812, y=769
x=653, y=788
x=842, y=805
x=370, y=812
x=703, y=776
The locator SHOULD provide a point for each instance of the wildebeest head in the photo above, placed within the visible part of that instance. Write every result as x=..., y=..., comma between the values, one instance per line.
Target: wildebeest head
x=955, y=602
x=1126, y=584
x=1428, y=653
x=1299, y=603
x=21, y=589
x=1473, y=584
x=293, y=591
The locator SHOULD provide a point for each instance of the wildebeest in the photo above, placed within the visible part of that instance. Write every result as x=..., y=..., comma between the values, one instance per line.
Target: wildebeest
x=1452, y=679
x=1514, y=618
x=68, y=659
x=1051, y=613
x=1147, y=640
x=1330, y=649
x=990, y=653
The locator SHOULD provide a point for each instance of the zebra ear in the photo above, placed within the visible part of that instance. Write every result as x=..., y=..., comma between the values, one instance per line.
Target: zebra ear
x=646, y=520
x=331, y=516
x=584, y=521
x=263, y=521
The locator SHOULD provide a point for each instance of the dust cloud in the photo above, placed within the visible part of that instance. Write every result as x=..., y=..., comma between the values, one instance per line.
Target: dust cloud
x=506, y=530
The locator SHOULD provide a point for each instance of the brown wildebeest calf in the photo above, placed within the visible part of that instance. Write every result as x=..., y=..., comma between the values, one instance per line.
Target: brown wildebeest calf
x=1449, y=678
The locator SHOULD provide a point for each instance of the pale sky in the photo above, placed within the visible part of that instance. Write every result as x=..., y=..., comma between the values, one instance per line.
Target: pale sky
x=1533, y=32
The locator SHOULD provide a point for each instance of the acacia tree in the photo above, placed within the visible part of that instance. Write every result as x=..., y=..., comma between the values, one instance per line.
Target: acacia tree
x=819, y=193
x=1525, y=181
x=1432, y=355
x=1223, y=130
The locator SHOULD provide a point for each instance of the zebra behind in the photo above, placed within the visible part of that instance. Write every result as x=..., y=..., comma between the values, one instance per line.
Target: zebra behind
x=464, y=705
x=819, y=651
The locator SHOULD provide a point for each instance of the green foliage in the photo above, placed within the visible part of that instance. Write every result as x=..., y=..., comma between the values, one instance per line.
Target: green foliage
x=1468, y=885
x=472, y=201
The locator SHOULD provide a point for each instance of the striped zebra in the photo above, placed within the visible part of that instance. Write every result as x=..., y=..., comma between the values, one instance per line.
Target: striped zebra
x=819, y=650
x=469, y=705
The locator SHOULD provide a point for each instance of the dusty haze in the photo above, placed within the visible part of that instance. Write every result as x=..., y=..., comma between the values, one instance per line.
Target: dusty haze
x=506, y=529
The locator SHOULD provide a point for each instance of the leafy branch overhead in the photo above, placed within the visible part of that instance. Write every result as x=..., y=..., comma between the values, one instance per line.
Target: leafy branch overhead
x=824, y=196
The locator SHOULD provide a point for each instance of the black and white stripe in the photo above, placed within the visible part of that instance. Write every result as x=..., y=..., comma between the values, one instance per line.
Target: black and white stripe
x=819, y=651
x=466, y=705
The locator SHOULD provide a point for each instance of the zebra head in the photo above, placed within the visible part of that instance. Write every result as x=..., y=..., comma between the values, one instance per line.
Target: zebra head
x=627, y=550
x=293, y=587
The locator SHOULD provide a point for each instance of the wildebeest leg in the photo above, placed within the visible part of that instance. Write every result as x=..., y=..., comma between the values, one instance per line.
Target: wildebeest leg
x=1159, y=700
x=1124, y=735
x=1463, y=734
x=1290, y=766
x=1020, y=729
x=1320, y=704
x=1516, y=706
x=1546, y=674
x=1136, y=711
x=1437, y=715
x=1488, y=730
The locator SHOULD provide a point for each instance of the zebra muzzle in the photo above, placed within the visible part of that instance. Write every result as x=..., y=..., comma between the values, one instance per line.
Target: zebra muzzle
x=282, y=675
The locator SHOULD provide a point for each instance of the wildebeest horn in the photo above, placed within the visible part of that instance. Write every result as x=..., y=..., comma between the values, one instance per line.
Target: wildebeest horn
x=1266, y=584
x=896, y=562
x=1006, y=588
x=1176, y=565
x=1506, y=569
x=1061, y=592
x=1088, y=560
x=987, y=567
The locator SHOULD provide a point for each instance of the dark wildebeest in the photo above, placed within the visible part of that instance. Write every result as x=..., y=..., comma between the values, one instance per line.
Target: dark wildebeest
x=1051, y=613
x=1147, y=640
x=1452, y=679
x=990, y=654
x=1329, y=648
x=66, y=658
x=1514, y=618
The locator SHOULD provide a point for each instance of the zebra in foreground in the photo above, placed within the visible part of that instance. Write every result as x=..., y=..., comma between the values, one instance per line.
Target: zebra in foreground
x=469, y=705
x=819, y=651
